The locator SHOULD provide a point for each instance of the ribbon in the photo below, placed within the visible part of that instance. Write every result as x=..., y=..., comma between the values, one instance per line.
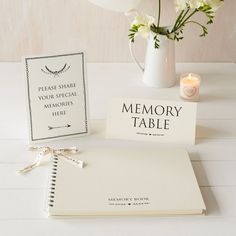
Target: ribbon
x=53, y=152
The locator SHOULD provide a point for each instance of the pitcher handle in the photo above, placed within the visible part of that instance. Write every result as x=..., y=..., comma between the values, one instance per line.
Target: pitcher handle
x=134, y=57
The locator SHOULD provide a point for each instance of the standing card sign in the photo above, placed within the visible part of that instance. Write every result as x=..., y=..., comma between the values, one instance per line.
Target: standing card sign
x=152, y=120
x=57, y=96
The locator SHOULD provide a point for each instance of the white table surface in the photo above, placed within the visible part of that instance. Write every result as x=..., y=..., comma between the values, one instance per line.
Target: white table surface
x=213, y=157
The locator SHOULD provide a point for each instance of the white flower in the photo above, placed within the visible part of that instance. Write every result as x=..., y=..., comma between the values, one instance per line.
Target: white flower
x=183, y=4
x=214, y=4
x=144, y=23
x=180, y=5
x=195, y=4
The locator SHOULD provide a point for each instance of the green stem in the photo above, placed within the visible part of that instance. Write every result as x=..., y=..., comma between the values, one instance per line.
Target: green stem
x=194, y=22
x=182, y=18
x=159, y=14
x=177, y=20
x=185, y=20
x=204, y=29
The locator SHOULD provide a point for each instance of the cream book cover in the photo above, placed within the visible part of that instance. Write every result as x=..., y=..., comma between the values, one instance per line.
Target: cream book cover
x=119, y=181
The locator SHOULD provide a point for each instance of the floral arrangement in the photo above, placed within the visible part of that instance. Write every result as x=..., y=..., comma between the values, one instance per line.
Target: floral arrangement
x=143, y=25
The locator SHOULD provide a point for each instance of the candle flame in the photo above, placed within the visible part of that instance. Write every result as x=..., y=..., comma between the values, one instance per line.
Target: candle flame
x=189, y=76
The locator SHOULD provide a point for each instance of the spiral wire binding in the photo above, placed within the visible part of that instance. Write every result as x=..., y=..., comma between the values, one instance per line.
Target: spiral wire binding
x=52, y=185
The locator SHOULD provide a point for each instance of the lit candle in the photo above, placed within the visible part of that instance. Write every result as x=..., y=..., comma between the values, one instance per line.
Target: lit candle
x=189, y=86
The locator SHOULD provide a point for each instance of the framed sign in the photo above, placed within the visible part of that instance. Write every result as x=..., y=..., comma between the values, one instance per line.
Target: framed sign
x=152, y=120
x=57, y=96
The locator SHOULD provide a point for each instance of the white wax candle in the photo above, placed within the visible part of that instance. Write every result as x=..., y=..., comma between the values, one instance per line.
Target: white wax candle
x=189, y=86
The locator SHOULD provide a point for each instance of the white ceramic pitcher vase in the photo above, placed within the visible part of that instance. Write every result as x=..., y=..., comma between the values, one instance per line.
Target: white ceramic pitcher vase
x=159, y=68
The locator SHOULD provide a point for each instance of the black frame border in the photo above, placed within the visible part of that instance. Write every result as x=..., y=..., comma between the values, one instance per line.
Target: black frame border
x=29, y=100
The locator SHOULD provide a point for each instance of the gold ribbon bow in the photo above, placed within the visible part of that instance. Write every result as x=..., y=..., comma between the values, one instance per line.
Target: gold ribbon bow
x=53, y=152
